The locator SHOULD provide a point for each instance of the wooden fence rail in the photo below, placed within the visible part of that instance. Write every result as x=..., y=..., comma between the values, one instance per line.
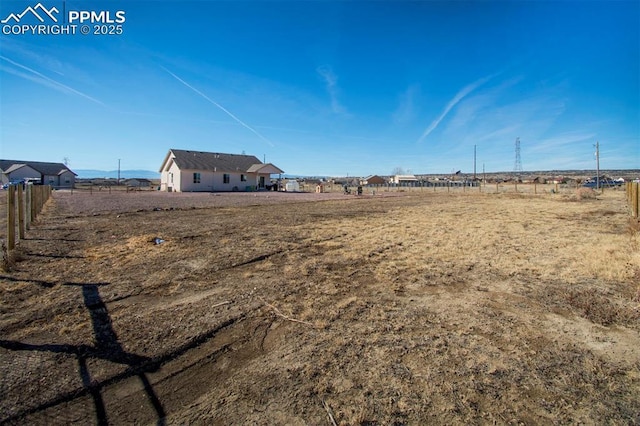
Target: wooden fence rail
x=633, y=198
x=28, y=201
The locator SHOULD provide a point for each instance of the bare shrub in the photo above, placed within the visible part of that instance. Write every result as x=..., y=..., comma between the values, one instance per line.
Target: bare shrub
x=585, y=194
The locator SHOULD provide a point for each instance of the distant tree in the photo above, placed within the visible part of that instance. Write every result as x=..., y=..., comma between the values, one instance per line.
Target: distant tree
x=397, y=171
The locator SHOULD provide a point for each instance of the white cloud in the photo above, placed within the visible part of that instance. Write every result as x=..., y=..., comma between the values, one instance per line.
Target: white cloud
x=406, y=108
x=563, y=141
x=331, y=83
x=500, y=114
x=39, y=78
x=242, y=123
x=452, y=103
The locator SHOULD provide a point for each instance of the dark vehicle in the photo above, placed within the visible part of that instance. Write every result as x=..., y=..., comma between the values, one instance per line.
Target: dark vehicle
x=13, y=182
x=601, y=183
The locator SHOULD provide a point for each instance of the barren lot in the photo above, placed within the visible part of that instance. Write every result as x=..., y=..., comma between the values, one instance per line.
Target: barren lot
x=417, y=308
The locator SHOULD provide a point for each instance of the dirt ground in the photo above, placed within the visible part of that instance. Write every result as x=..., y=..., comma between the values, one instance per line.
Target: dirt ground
x=404, y=308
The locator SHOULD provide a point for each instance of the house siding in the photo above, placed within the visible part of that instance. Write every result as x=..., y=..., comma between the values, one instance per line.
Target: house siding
x=66, y=180
x=63, y=180
x=166, y=183
x=50, y=180
x=214, y=181
x=207, y=181
x=22, y=173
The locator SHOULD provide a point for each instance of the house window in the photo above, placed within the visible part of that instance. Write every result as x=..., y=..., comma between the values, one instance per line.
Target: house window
x=196, y=177
x=226, y=178
x=243, y=178
x=171, y=176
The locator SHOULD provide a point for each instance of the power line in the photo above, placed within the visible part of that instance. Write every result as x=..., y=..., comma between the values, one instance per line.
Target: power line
x=474, y=162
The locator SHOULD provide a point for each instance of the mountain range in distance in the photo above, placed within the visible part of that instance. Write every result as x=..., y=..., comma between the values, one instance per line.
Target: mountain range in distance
x=113, y=174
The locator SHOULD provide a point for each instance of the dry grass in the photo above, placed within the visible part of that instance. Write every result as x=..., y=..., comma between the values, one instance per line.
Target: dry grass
x=426, y=308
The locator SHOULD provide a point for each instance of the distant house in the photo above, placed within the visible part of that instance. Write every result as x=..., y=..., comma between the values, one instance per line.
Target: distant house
x=54, y=174
x=197, y=171
x=104, y=182
x=404, y=179
x=373, y=180
x=138, y=183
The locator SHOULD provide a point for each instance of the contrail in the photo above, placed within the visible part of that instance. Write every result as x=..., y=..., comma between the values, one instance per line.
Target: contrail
x=331, y=81
x=453, y=102
x=219, y=106
x=55, y=84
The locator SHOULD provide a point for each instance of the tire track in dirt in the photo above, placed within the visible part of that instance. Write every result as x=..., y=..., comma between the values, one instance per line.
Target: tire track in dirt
x=176, y=377
x=149, y=365
x=196, y=354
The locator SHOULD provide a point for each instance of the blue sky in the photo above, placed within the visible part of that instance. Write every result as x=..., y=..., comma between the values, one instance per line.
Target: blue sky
x=329, y=87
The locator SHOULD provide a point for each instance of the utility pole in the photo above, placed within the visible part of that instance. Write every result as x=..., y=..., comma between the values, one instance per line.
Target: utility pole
x=474, y=162
x=597, y=165
x=118, y=172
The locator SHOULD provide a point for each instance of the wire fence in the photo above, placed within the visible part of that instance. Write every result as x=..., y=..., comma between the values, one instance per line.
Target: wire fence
x=447, y=186
x=25, y=202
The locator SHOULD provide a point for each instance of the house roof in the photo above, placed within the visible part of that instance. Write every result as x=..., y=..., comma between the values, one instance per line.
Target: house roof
x=15, y=167
x=215, y=161
x=406, y=177
x=264, y=168
x=48, y=169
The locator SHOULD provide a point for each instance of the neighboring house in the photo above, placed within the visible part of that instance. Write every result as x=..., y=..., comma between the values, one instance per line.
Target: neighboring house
x=56, y=175
x=373, y=180
x=404, y=179
x=138, y=183
x=196, y=171
x=104, y=182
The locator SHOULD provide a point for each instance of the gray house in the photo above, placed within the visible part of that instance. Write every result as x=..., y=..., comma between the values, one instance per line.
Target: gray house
x=55, y=174
x=138, y=183
x=197, y=171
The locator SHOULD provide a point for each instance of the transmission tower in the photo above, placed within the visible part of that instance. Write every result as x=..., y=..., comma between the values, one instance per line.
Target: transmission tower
x=518, y=166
